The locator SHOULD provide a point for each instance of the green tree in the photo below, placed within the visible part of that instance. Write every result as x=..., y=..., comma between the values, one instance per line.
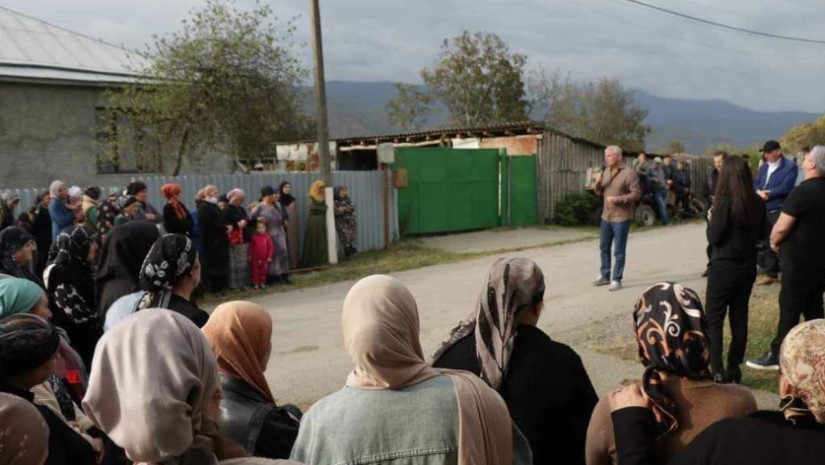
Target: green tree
x=805, y=135
x=475, y=78
x=601, y=111
x=228, y=81
x=672, y=147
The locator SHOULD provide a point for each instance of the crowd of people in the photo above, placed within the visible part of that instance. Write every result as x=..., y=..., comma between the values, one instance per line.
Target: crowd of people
x=106, y=359
x=225, y=229
x=659, y=177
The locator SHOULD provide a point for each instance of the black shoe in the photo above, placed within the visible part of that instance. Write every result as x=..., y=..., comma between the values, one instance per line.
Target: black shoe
x=705, y=274
x=768, y=361
x=733, y=375
x=285, y=279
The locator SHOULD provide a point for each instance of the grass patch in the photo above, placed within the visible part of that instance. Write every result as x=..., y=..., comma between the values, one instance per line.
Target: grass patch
x=406, y=254
x=614, y=336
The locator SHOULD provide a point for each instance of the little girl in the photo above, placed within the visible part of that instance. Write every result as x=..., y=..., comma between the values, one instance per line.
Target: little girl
x=261, y=251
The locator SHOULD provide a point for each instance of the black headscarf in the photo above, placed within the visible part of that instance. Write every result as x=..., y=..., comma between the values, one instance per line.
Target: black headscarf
x=267, y=191
x=671, y=332
x=93, y=192
x=26, y=342
x=72, y=248
x=11, y=240
x=122, y=254
x=171, y=258
x=286, y=199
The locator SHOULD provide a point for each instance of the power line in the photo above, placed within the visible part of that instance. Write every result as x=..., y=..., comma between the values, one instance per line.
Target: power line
x=725, y=26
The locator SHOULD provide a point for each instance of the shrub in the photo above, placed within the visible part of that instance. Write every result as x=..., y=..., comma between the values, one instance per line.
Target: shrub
x=578, y=209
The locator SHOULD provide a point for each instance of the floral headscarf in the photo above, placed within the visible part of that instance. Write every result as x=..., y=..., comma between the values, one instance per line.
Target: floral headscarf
x=170, y=258
x=512, y=285
x=316, y=191
x=671, y=332
x=802, y=360
x=71, y=248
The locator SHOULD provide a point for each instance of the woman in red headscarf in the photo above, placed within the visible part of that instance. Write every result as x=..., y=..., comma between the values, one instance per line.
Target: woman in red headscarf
x=176, y=218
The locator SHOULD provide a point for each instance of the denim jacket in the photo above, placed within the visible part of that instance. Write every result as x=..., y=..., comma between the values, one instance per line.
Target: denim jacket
x=417, y=425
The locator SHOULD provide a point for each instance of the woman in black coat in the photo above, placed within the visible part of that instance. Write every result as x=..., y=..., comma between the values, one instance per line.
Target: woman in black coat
x=70, y=286
x=215, y=231
x=122, y=253
x=176, y=218
x=41, y=229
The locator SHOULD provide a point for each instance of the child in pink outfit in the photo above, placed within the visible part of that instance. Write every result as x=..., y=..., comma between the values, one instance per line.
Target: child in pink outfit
x=261, y=253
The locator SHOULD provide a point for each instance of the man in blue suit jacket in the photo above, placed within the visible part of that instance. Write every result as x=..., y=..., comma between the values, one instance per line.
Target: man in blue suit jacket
x=774, y=181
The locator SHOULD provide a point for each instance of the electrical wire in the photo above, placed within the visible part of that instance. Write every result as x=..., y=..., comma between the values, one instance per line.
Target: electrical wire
x=725, y=26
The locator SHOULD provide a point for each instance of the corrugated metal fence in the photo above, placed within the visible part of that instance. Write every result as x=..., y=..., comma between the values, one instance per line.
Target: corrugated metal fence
x=366, y=188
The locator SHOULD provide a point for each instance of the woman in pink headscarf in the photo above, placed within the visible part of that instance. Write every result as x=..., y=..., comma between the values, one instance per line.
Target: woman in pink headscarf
x=398, y=405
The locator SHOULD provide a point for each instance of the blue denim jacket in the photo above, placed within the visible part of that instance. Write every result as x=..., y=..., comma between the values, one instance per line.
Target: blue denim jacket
x=417, y=425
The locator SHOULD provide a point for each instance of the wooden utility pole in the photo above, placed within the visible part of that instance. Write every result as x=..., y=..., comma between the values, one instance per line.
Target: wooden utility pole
x=321, y=95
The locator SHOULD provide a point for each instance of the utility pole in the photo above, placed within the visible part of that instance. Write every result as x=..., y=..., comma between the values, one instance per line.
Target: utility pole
x=321, y=95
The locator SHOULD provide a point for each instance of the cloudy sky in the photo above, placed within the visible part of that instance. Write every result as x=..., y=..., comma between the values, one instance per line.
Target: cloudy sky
x=377, y=40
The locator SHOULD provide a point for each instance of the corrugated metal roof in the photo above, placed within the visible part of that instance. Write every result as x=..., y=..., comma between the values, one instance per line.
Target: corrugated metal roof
x=32, y=49
x=493, y=130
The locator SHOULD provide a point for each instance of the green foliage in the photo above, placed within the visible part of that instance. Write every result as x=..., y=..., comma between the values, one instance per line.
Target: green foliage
x=577, y=209
x=475, y=77
x=804, y=135
x=228, y=81
x=672, y=147
x=601, y=111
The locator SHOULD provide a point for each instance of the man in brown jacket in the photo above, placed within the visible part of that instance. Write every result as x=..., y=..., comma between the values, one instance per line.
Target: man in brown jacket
x=619, y=185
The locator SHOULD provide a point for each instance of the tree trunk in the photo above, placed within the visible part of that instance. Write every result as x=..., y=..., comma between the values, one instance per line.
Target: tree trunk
x=184, y=141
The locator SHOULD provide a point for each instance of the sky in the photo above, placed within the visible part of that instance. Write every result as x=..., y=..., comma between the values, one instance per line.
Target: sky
x=391, y=40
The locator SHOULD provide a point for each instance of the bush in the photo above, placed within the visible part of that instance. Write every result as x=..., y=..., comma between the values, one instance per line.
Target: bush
x=578, y=209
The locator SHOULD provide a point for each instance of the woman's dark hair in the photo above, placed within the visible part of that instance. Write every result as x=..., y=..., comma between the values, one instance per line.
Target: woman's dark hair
x=267, y=191
x=135, y=188
x=736, y=185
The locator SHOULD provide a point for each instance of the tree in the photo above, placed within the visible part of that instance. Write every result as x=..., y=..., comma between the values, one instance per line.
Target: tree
x=227, y=81
x=475, y=78
x=600, y=111
x=805, y=135
x=672, y=147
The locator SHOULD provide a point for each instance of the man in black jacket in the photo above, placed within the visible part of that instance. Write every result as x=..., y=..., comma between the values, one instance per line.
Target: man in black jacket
x=710, y=190
x=797, y=236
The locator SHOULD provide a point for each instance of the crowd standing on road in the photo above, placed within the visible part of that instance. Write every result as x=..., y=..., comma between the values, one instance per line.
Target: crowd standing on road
x=106, y=358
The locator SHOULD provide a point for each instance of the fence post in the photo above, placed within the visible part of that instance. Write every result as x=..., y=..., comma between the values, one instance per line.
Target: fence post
x=332, y=244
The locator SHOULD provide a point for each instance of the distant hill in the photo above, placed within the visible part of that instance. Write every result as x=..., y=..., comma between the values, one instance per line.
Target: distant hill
x=359, y=108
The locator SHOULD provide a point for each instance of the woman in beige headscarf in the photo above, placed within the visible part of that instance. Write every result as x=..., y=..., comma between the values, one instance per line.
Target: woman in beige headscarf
x=25, y=436
x=240, y=334
x=154, y=391
x=399, y=405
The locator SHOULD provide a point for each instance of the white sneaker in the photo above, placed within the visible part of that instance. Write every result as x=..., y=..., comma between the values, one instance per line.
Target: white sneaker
x=615, y=285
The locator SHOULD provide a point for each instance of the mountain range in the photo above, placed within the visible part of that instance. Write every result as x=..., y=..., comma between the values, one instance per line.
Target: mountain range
x=359, y=108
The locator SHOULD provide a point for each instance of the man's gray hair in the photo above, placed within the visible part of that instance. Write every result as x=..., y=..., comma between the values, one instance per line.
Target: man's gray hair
x=818, y=157
x=615, y=149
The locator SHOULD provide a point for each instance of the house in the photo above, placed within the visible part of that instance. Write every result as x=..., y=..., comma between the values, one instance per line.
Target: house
x=54, y=122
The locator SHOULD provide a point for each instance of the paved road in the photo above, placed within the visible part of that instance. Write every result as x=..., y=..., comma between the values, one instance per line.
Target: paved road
x=308, y=361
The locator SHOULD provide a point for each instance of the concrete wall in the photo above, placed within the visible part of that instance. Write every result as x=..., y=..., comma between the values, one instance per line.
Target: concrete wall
x=48, y=132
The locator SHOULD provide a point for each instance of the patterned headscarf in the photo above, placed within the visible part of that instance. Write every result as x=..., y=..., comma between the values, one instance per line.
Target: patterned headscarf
x=316, y=191
x=512, y=285
x=18, y=295
x=71, y=248
x=802, y=360
x=25, y=438
x=171, y=192
x=26, y=342
x=671, y=331
x=170, y=258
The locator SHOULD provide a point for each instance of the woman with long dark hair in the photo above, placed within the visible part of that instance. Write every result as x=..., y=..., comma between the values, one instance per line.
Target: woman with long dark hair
x=736, y=223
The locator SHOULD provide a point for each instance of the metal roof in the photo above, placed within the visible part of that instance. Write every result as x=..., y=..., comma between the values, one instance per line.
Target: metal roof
x=34, y=50
x=494, y=130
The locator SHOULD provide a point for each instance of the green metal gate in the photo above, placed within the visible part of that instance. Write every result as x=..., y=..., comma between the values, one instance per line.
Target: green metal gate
x=522, y=194
x=448, y=190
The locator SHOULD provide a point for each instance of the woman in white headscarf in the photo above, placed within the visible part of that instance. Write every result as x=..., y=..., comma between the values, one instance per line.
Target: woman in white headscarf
x=168, y=417
x=400, y=405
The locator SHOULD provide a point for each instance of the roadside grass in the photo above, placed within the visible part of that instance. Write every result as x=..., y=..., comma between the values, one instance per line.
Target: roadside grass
x=407, y=254
x=615, y=336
